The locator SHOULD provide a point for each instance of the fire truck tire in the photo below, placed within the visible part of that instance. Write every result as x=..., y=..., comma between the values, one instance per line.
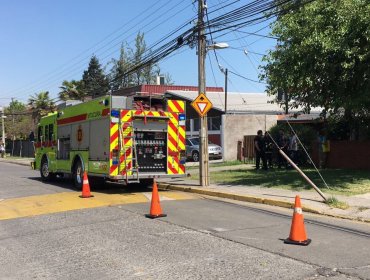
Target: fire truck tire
x=195, y=156
x=78, y=174
x=45, y=173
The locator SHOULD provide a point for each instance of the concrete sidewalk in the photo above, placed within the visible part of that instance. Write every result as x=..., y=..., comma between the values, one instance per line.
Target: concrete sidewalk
x=359, y=205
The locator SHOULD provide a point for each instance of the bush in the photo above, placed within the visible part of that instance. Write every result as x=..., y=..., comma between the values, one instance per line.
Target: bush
x=306, y=134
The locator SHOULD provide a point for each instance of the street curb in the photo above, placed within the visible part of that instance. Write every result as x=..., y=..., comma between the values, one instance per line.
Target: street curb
x=252, y=199
x=16, y=162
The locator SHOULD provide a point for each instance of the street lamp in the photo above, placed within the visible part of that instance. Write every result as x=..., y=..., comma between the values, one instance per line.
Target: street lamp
x=218, y=46
x=225, y=72
x=3, y=117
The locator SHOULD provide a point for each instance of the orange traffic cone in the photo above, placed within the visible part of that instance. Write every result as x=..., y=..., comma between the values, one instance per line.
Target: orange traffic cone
x=86, y=187
x=297, y=231
x=155, y=207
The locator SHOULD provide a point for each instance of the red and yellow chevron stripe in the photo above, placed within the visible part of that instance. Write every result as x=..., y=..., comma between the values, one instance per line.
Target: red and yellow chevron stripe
x=114, y=133
x=126, y=154
x=176, y=137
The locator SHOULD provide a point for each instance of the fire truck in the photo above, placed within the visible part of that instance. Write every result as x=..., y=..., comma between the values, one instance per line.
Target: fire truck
x=126, y=139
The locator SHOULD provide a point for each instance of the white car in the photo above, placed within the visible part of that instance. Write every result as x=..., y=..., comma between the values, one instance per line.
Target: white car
x=192, y=149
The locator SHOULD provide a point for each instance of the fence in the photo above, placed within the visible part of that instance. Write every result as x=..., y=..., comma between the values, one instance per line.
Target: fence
x=346, y=154
x=20, y=148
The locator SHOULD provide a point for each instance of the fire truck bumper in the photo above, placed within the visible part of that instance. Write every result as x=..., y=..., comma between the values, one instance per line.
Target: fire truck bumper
x=146, y=176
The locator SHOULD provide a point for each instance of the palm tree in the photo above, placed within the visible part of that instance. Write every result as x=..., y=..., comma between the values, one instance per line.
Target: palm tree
x=41, y=105
x=72, y=90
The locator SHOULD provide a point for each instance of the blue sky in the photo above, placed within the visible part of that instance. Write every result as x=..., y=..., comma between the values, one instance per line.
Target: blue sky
x=44, y=42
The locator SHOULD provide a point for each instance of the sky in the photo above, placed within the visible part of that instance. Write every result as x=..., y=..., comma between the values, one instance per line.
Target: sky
x=44, y=42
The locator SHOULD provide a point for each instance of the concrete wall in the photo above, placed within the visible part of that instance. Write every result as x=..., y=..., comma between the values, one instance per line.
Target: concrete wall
x=234, y=127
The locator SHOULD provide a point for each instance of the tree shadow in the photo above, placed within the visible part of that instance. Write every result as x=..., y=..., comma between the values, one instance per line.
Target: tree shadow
x=337, y=179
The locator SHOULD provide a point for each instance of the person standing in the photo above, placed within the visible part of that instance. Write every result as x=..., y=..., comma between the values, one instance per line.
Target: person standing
x=259, y=148
x=293, y=147
x=2, y=150
x=282, y=145
x=268, y=149
x=324, y=149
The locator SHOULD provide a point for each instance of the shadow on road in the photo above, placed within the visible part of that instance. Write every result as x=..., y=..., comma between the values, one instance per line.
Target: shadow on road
x=98, y=187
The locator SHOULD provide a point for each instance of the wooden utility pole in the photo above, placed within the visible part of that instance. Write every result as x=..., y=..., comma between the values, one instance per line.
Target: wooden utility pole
x=226, y=72
x=203, y=133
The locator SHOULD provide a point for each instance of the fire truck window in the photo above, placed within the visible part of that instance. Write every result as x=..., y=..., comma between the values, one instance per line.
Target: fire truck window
x=46, y=133
x=51, y=130
x=39, y=133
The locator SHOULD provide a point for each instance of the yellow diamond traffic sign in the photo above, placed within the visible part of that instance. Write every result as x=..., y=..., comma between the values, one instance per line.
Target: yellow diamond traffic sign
x=202, y=104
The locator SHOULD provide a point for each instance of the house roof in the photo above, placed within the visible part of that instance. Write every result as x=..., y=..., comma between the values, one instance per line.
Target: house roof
x=243, y=103
x=161, y=89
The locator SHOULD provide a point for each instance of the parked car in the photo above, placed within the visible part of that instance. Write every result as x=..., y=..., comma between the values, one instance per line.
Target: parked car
x=192, y=149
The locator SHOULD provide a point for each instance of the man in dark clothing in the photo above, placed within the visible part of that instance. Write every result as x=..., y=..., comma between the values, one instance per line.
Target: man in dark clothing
x=268, y=149
x=259, y=148
x=283, y=145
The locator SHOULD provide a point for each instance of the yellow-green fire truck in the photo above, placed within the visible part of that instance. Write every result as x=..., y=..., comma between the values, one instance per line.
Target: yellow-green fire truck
x=118, y=138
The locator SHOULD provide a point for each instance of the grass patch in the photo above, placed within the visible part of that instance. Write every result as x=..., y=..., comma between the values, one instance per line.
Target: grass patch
x=334, y=202
x=340, y=181
x=226, y=163
x=218, y=164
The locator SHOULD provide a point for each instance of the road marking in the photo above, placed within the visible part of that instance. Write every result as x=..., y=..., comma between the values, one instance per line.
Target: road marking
x=169, y=196
x=61, y=202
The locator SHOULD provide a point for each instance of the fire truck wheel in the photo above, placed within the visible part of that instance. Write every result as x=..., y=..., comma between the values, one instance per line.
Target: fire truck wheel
x=195, y=156
x=45, y=173
x=78, y=175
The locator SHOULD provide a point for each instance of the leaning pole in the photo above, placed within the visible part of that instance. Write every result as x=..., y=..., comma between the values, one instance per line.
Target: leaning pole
x=302, y=174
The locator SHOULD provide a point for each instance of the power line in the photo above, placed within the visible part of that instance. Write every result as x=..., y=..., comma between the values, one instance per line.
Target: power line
x=106, y=45
x=99, y=42
x=243, y=16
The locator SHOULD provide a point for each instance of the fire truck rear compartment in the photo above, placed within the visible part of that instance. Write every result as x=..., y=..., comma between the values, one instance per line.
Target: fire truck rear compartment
x=151, y=148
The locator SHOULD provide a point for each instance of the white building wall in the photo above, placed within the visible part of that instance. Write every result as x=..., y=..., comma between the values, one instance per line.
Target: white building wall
x=234, y=127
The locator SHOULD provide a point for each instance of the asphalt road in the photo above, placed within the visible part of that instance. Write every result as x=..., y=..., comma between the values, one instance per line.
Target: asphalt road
x=200, y=238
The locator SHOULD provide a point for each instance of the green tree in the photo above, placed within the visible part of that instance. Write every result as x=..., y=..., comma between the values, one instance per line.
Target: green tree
x=322, y=57
x=118, y=74
x=19, y=122
x=72, y=90
x=128, y=69
x=40, y=105
x=95, y=82
x=140, y=48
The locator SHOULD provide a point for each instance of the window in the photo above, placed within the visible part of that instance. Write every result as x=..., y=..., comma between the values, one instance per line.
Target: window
x=51, y=130
x=196, y=124
x=46, y=133
x=188, y=127
x=214, y=123
x=39, y=134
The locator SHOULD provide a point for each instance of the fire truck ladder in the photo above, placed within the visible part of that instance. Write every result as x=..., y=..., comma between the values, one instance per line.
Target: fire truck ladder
x=126, y=137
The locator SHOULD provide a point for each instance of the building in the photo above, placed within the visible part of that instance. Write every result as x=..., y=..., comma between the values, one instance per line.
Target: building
x=246, y=113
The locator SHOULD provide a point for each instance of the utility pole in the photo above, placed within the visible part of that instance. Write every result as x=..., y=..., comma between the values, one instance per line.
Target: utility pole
x=13, y=125
x=226, y=71
x=3, y=127
x=203, y=134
